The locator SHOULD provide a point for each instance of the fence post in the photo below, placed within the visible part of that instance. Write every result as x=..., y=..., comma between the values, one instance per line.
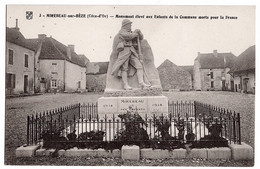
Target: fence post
x=195, y=109
x=36, y=125
x=51, y=123
x=59, y=110
x=28, y=130
x=239, y=129
x=234, y=127
x=74, y=122
x=32, y=129
x=96, y=109
x=229, y=126
x=79, y=109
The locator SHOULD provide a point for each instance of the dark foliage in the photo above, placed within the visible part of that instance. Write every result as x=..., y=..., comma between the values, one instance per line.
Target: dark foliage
x=190, y=137
x=133, y=133
x=92, y=139
x=180, y=125
x=164, y=140
x=213, y=139
x=72, y=136
x=53, y=139
x=209, y=142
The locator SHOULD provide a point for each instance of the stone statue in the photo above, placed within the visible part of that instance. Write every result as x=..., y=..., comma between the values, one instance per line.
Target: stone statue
x=128, y=58
x=131, y=62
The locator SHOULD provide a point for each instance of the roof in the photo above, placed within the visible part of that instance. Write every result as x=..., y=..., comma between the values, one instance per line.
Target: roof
x=83, y=57
x=174, y=77
x=53, y=49
x=166, y=63
x=245, y=61
x=209, y=61
x=188, y=68
x=173, y=68
x=94, y=68
x=13, y=35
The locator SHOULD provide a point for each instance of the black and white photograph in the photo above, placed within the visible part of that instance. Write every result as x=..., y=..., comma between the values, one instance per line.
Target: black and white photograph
x=129, y=85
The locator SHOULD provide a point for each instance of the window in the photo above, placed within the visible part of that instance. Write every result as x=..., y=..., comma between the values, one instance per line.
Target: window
x=10, y=81
x=211, y=75
x=54, y=67
x=53, y=83
x=10, y=57
x=212, y=84
x=25, y=60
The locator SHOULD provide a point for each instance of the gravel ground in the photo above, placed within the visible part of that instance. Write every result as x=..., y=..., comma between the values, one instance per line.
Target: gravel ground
x=17, y=110
x=90, y=161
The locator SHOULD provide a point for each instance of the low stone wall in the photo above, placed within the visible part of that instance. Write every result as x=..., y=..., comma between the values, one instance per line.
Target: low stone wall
x=234, y=151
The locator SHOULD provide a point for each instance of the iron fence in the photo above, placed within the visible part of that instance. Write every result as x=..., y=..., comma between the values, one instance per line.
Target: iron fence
x=187, y=121
x=181, y=108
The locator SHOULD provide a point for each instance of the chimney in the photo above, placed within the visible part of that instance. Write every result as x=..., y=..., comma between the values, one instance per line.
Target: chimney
x=16, y=25
x=215, y=53
x=69, y=52
x=72, y=48
x=41, y=36
x=225, y=61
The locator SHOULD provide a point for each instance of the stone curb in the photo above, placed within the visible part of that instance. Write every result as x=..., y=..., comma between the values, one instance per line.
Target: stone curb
x=130, y=152
x=80, y=152
x=241, y=151
x=234, y=151
x=215, y=153
x=26, y=151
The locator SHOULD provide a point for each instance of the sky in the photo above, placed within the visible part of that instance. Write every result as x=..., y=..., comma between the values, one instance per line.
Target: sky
x=178, y=40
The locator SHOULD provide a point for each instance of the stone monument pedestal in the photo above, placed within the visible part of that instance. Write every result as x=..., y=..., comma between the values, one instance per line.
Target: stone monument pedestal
x=143, y=105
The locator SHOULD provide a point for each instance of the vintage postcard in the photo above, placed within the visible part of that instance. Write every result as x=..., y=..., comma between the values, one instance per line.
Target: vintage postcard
x=130, y=85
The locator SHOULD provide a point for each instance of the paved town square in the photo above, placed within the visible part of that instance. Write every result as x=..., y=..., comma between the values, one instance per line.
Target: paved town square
x=18, y=108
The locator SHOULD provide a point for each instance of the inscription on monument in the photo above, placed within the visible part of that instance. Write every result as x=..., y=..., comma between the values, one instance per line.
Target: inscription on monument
x=107, y=106
x=142, y=105
x=139, y=104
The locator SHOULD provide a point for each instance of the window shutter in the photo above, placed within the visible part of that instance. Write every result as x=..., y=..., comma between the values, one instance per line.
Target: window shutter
x=13, y=85
x=8, y=80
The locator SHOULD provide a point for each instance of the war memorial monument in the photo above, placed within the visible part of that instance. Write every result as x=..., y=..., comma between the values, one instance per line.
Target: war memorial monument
x=132, y=78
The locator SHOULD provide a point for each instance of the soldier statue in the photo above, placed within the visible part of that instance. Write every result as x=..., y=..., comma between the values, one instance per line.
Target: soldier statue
x=129, y=55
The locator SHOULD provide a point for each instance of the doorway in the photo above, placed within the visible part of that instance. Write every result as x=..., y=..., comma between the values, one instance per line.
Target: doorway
x=245, y=84
x=223, y=85
x=232, y=86
x=25, y=89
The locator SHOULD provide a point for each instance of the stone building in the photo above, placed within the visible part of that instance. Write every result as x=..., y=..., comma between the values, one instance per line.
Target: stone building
x=96, y=76
x=174, y=77
x=189, y=69
x=211, y=71
x=243, y=71
x=58, y=67
x=19, y=63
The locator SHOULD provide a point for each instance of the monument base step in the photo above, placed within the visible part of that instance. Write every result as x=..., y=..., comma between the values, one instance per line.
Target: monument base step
x=151, y=91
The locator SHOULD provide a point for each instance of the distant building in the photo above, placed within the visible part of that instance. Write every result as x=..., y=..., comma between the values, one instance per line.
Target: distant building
x=58, y=67
x=174, y=77
x=189, y=69
x=19, y=63
x=243, y=71
x=211, y=71
x=96, y=76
